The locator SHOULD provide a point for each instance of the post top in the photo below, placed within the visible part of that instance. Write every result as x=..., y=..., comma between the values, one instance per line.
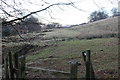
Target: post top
x=74, y=62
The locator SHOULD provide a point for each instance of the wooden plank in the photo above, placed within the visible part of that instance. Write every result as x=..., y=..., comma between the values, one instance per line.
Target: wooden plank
x=47, y=70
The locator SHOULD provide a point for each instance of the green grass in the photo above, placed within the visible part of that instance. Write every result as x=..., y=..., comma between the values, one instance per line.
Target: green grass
x=69, y=47
x=38, y=55
x=104, y=54
x=61, y=33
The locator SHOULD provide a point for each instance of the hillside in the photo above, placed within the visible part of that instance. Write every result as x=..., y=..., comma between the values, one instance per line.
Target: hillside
x=107, y=27
x=56, y=48
x=102, y=28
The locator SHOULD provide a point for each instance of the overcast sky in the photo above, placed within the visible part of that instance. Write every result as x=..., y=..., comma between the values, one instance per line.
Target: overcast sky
x=70, y=15
x=67, y=14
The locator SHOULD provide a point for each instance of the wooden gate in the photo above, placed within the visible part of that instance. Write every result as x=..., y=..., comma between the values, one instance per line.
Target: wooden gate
x=14, y=66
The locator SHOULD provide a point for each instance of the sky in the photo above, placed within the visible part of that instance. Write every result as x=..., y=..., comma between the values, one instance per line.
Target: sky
x=66, y=15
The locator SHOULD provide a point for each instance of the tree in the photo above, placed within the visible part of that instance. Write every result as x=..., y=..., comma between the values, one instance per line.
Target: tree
x=53, y=25
x=31, y=24
x=115, y=12
x=31, y=19
x=98, y=15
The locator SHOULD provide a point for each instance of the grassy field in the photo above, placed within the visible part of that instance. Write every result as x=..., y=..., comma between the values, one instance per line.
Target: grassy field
x=104, y=56
x=47, y=52
x=102, y=28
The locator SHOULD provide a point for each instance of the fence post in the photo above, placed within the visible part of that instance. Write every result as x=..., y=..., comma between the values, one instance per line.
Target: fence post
x=84, y=56
x=92, y=75
x=74, y=67
x=89, y=68
x=22, y=66
x=11, y=66
x=92, y=72
x=88, y=61
x=6, y=68
x=15, y=58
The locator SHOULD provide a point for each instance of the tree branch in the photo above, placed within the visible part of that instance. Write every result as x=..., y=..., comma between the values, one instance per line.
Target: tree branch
x=7, y=13
x=19, y=19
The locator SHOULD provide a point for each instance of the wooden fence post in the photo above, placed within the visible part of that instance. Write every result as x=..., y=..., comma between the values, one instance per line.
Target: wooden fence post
x=92, y=72
x=88, y=61
x=11, y=66
x=6, y=68
x=15, y=56
x=92, y=75
x=22, y=66
x=74, y=67
x=89, y=68
x=14, y=66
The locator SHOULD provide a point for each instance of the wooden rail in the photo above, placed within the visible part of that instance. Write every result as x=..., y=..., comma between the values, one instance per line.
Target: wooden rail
x=72, y=74
x=47, y=70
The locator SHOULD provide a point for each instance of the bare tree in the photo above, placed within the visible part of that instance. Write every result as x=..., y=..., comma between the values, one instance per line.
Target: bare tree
x=15, y=11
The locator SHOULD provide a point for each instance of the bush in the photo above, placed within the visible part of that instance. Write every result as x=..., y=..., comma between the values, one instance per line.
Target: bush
x=98, y=15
